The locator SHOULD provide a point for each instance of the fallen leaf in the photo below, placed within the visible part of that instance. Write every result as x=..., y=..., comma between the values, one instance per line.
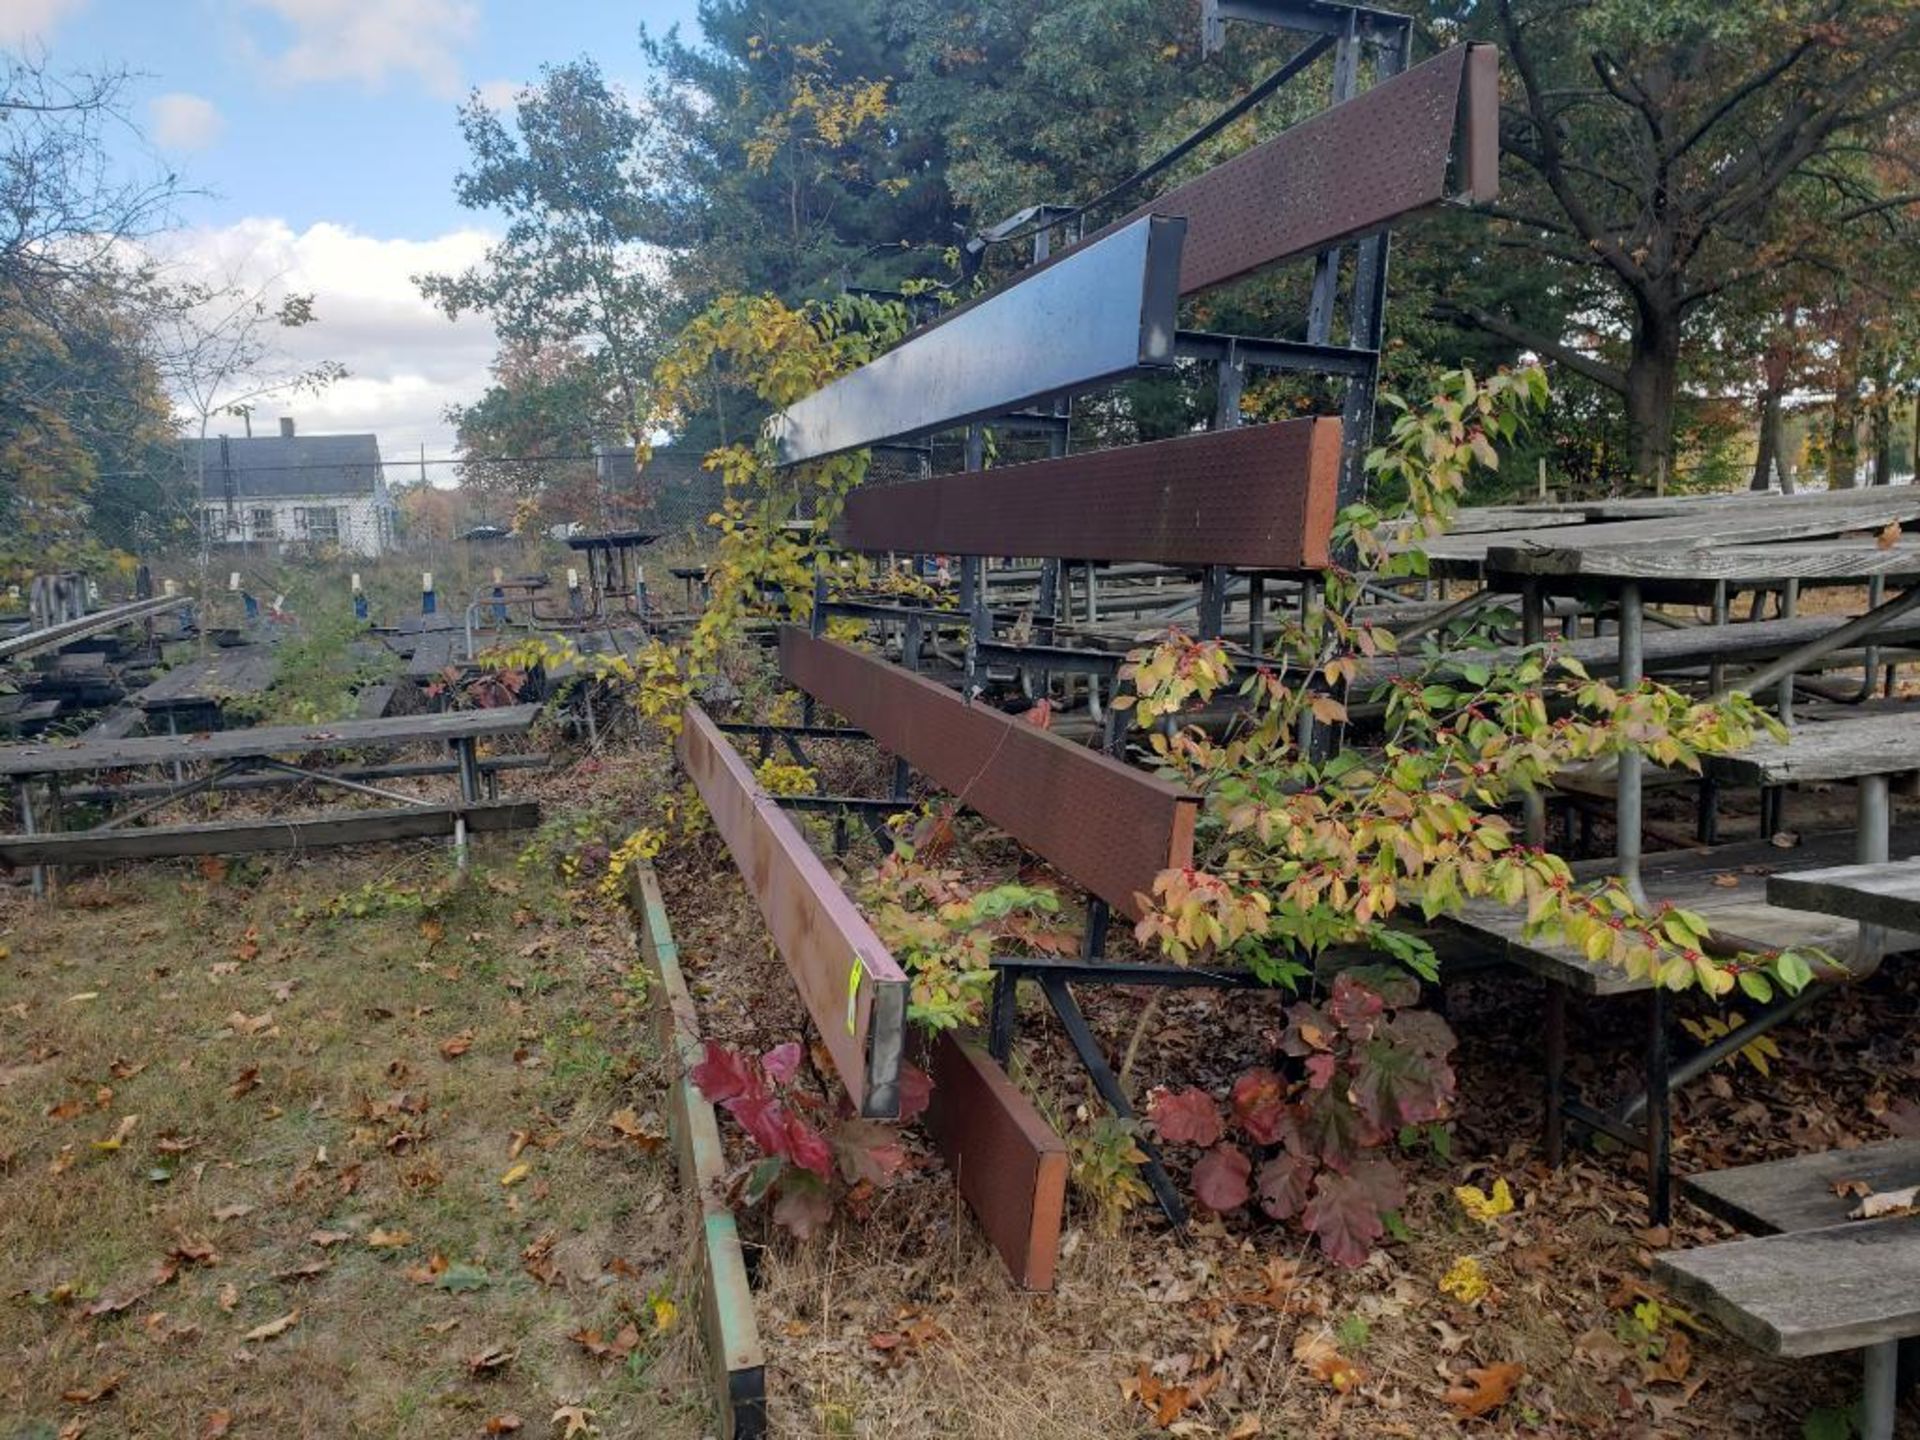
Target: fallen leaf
x=231, y=1212
x=1482, y=1206
x=1322, y=1359
x=1889, y=537
x=1465, y=1281
x=247, y=1081
x=458, y=1045
x=494, y=1357
x=384, y=1239
x=273, y=1327
x=94, y=1394
x=229, y=1297
x=121, y=1134
x=516, y=1174
x=308, y=1270
x=578, y=1420
x=1484, y=1389
x=192, y=1250
x=216, y=1425
x=1676, y=1359
x=1886, y=1202
x=504, y=1424
x=327, y=1238
x=596, y=1345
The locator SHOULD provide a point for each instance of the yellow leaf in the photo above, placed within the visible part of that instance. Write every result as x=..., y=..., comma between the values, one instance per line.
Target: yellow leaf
x=665, y=1313
x=516, y=1174
x=1481, y=1206
x=1465, y=1281
x=120, y=1134
x=382, y=1239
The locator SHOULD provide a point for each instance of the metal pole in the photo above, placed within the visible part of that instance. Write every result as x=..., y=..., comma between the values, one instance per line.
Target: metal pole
x=23, y=797
x=1533, y=631
x=1627, y=804
x=1872, y=840
x=1783, y=701
x=1882, y=1385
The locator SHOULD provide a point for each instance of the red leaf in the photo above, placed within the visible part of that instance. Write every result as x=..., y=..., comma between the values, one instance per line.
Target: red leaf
x=1345, y=1212
x=916, y=1091
x=723, y=1074
x=1320, y=1071
x=1186, y=1117
x=806, y=1147
x=1283, y=1185
x=782, y=1062
x=1259, y=1104
x=869, y=1151
x=762, y=1117
x=1395, y=1085
x=1220, y=1179
x=1310, y=1030
x=803, y=1206
x=1355, y=1008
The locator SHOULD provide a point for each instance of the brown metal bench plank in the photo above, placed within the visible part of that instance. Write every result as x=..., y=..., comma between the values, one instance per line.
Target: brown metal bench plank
x=1345, y=172
x=1259, y=496
x=1810, y=1292
x=1009, y=1165
x=1108, y=826
x=827, y=944
x=1798, y=1193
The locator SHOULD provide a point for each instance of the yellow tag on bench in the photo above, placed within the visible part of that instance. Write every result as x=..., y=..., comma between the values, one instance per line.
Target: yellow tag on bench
x=853, y=992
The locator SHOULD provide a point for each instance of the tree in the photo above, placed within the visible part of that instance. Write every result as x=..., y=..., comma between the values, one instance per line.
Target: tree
x=1660, y=153
x=526, y=444
x=576, y=174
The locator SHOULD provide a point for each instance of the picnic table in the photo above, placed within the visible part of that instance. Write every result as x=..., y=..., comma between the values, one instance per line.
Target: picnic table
x=286, y=750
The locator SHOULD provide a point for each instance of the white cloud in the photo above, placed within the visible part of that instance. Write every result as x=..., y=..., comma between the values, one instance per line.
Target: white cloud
x=31, y=22
x=369, y=40
x=499, y=94
x=184, y=122
x=406, y=361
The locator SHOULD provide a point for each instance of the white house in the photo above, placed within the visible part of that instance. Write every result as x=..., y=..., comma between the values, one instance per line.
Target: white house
x=328, y=492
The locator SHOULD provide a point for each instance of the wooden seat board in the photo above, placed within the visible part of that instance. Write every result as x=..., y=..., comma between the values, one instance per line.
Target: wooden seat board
x=1886, y=894
x=1807, y=1292
x=1887, y=743
x=1799, y=1193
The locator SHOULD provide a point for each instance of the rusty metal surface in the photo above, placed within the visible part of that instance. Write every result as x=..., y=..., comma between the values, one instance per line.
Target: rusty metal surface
x=1009, y=1165
x=1103, y=314
x=1348, y=171
x=1105, y=825
x=1257, y=496
x=826, y=942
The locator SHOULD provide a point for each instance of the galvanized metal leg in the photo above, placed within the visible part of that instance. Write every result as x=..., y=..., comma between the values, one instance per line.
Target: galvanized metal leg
x=1087, y=1047
x=1533, y=631
x=1876, y=596
x=1882, y=1386
x=1628, y=801
x=23, y=798
x=1554, y=1136
x=1717, y=671
x=463, y=750
x=1659, y=1111
x=1783, y=698
x=1256, y=613
x=1873, y=825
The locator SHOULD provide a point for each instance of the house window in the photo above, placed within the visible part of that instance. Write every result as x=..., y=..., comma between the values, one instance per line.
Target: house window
x=318, y=524
x=219, y=524
x=261, y=524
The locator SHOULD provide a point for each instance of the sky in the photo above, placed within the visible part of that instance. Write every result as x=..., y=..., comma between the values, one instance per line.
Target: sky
x=324, y=138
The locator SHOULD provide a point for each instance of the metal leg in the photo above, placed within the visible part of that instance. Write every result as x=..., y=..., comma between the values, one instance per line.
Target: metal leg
x=1783, y=698
x=1659, y=1112
x=1093, y=943
x=1088, y=1048
x=1533, y=631
x=902, y=776
x=23, y=802
x=1873, y=824
x=1707, y=815
x=1003, y=1014
x=463, y=750
x=1883, y=1392
x=1554, y=1137
x=1628, y=802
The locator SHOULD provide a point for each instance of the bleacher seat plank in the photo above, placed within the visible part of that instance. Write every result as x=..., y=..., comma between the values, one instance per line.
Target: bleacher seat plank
x=237, y=837
x=1260, y=496
x=1887, y=743
x=1804, y=1192
x=1886, y=894
x=1107, y=826
x=1807, y=1292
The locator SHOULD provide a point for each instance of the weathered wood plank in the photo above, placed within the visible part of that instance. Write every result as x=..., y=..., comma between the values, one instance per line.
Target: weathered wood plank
x=1887, y=743
x=1874, y=894
x=1837, y=562
x=392, y=732
x=853, y=989
x=1664, y=650
x=209, y=679
x=1798, y=1193
x=1810, y=1292
x=280, y=780
x=238, y=837
x=1010, y=1166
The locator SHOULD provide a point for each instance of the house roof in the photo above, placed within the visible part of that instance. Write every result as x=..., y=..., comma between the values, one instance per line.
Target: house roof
x=280, y=467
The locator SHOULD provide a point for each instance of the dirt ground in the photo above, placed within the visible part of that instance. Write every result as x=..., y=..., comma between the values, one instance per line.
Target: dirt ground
x=334, y=1146
x=901, y=1321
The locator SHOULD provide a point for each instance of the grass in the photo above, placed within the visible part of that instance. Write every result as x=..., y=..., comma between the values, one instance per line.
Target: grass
x=294, y=1089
